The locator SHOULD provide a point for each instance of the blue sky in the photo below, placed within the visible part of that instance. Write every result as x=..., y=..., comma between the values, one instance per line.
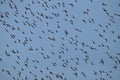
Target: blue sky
x=75, y=41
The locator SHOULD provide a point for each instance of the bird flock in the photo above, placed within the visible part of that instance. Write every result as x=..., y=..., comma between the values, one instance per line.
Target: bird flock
x=59, y=39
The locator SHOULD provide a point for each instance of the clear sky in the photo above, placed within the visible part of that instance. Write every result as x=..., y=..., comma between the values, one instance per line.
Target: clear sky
x=59, y=40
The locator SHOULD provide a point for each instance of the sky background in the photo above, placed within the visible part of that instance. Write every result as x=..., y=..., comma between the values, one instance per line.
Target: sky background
x=45, y=20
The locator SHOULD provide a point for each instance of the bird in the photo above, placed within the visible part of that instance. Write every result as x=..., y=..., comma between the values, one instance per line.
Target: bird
x=83, y=74
x=52, y=39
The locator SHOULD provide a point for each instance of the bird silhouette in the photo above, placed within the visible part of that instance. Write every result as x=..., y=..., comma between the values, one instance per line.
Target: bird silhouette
x=59, y=40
